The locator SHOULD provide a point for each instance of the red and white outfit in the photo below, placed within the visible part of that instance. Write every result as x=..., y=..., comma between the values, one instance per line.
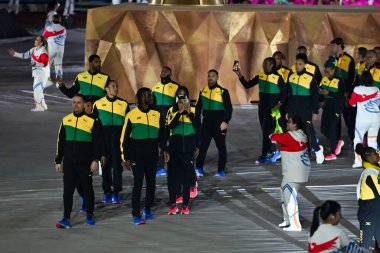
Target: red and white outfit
x=40, y=72
x=56, y=36
x=332, y=239
x=295, y=170
x=367, y=101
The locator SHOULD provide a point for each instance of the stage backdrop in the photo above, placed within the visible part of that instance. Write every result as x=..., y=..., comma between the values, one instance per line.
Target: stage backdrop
x=135, y=41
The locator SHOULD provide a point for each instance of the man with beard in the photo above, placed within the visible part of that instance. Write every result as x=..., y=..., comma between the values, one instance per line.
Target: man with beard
x=164, y=93
x=215, y=104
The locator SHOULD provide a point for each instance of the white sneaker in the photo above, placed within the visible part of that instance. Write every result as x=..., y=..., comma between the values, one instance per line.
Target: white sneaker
x=319, y=155
x=38, y=108
x=357, y=164
x=283, y=224
x=293, y=229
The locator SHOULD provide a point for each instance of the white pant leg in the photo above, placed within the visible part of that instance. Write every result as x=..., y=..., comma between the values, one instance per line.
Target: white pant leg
x=67, y=6
x=360, y=129
x=40, y=80
x=58, y=56
x=290, y=192
x=372, y=135
x=71, y=6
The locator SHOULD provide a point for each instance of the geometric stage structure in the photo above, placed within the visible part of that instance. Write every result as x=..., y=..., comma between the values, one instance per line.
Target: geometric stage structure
x=135, y=41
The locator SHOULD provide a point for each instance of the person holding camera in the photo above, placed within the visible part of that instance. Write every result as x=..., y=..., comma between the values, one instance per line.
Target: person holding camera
x=272, y=93
x=215, y=104
x=183, y=124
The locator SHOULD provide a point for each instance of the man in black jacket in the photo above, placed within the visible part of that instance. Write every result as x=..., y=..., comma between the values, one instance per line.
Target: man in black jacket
x=79, y=147
x=215, y=104
x=272, y=95
x=304, y=101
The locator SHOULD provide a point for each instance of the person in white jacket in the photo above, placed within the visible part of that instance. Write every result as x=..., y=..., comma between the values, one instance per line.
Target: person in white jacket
x=295, y=150
x=328, y=237
x=56, y=36
x=40, y=70
x=366, y=98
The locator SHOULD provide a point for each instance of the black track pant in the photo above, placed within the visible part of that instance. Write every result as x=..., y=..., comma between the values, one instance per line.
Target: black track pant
x=349, y=115
x=74, y=174
x=312, y=134
x=329, y=126
x=267, y=124
x=181, y=174
x=209, y=131
x=112, y=173
x=369, y=222
x=140, y=170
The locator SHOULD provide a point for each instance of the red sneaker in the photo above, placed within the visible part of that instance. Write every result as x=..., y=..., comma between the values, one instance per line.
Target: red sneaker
x=179, y=200
x=330, y=157
x=194, y=191
x=185, y=210
x=173, y=209
x=339, y=146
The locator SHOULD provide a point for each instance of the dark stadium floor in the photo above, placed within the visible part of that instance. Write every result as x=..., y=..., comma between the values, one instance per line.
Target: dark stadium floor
x=238, y=213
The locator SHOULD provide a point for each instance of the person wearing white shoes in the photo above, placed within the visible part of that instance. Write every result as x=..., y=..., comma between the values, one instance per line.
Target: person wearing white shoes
x=328, y=237
x=366, y=98
x=303, y=100
x=56, y=36
x=40, y=70
x=295, y=150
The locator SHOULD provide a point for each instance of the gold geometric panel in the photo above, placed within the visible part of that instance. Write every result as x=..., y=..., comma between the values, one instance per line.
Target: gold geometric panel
x=134, y=42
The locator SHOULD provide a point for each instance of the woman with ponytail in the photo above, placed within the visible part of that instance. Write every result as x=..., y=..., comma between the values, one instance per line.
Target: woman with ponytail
x=368, y=195
x=295, y=159
x=40, y=70
x=327, y=237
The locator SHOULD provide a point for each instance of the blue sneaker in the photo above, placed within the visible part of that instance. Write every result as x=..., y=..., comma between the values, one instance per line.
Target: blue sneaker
x=161, y=172
x=220, y=174
x=64, y=223
x=82, y=208
x=148, y=214
x=107, y=199
x=116, y=199
x=275, y=156
x=90, y=220
x=138, y=220
x=261, y=160
x=199, y=172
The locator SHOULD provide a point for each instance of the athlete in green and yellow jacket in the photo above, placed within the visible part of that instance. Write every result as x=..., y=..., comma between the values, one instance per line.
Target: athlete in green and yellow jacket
x=214, y=103
x=79, y=148
x=140, y=139
x=164, y=94
x=111, y=112
x=90, y=83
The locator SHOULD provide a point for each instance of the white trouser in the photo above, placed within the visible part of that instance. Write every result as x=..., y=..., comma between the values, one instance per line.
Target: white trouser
x=40, y=80
x=69, y=7
x=56, y=59
x=15, y=7
x=289, y=202
x=361, y=128
x=116, y=2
